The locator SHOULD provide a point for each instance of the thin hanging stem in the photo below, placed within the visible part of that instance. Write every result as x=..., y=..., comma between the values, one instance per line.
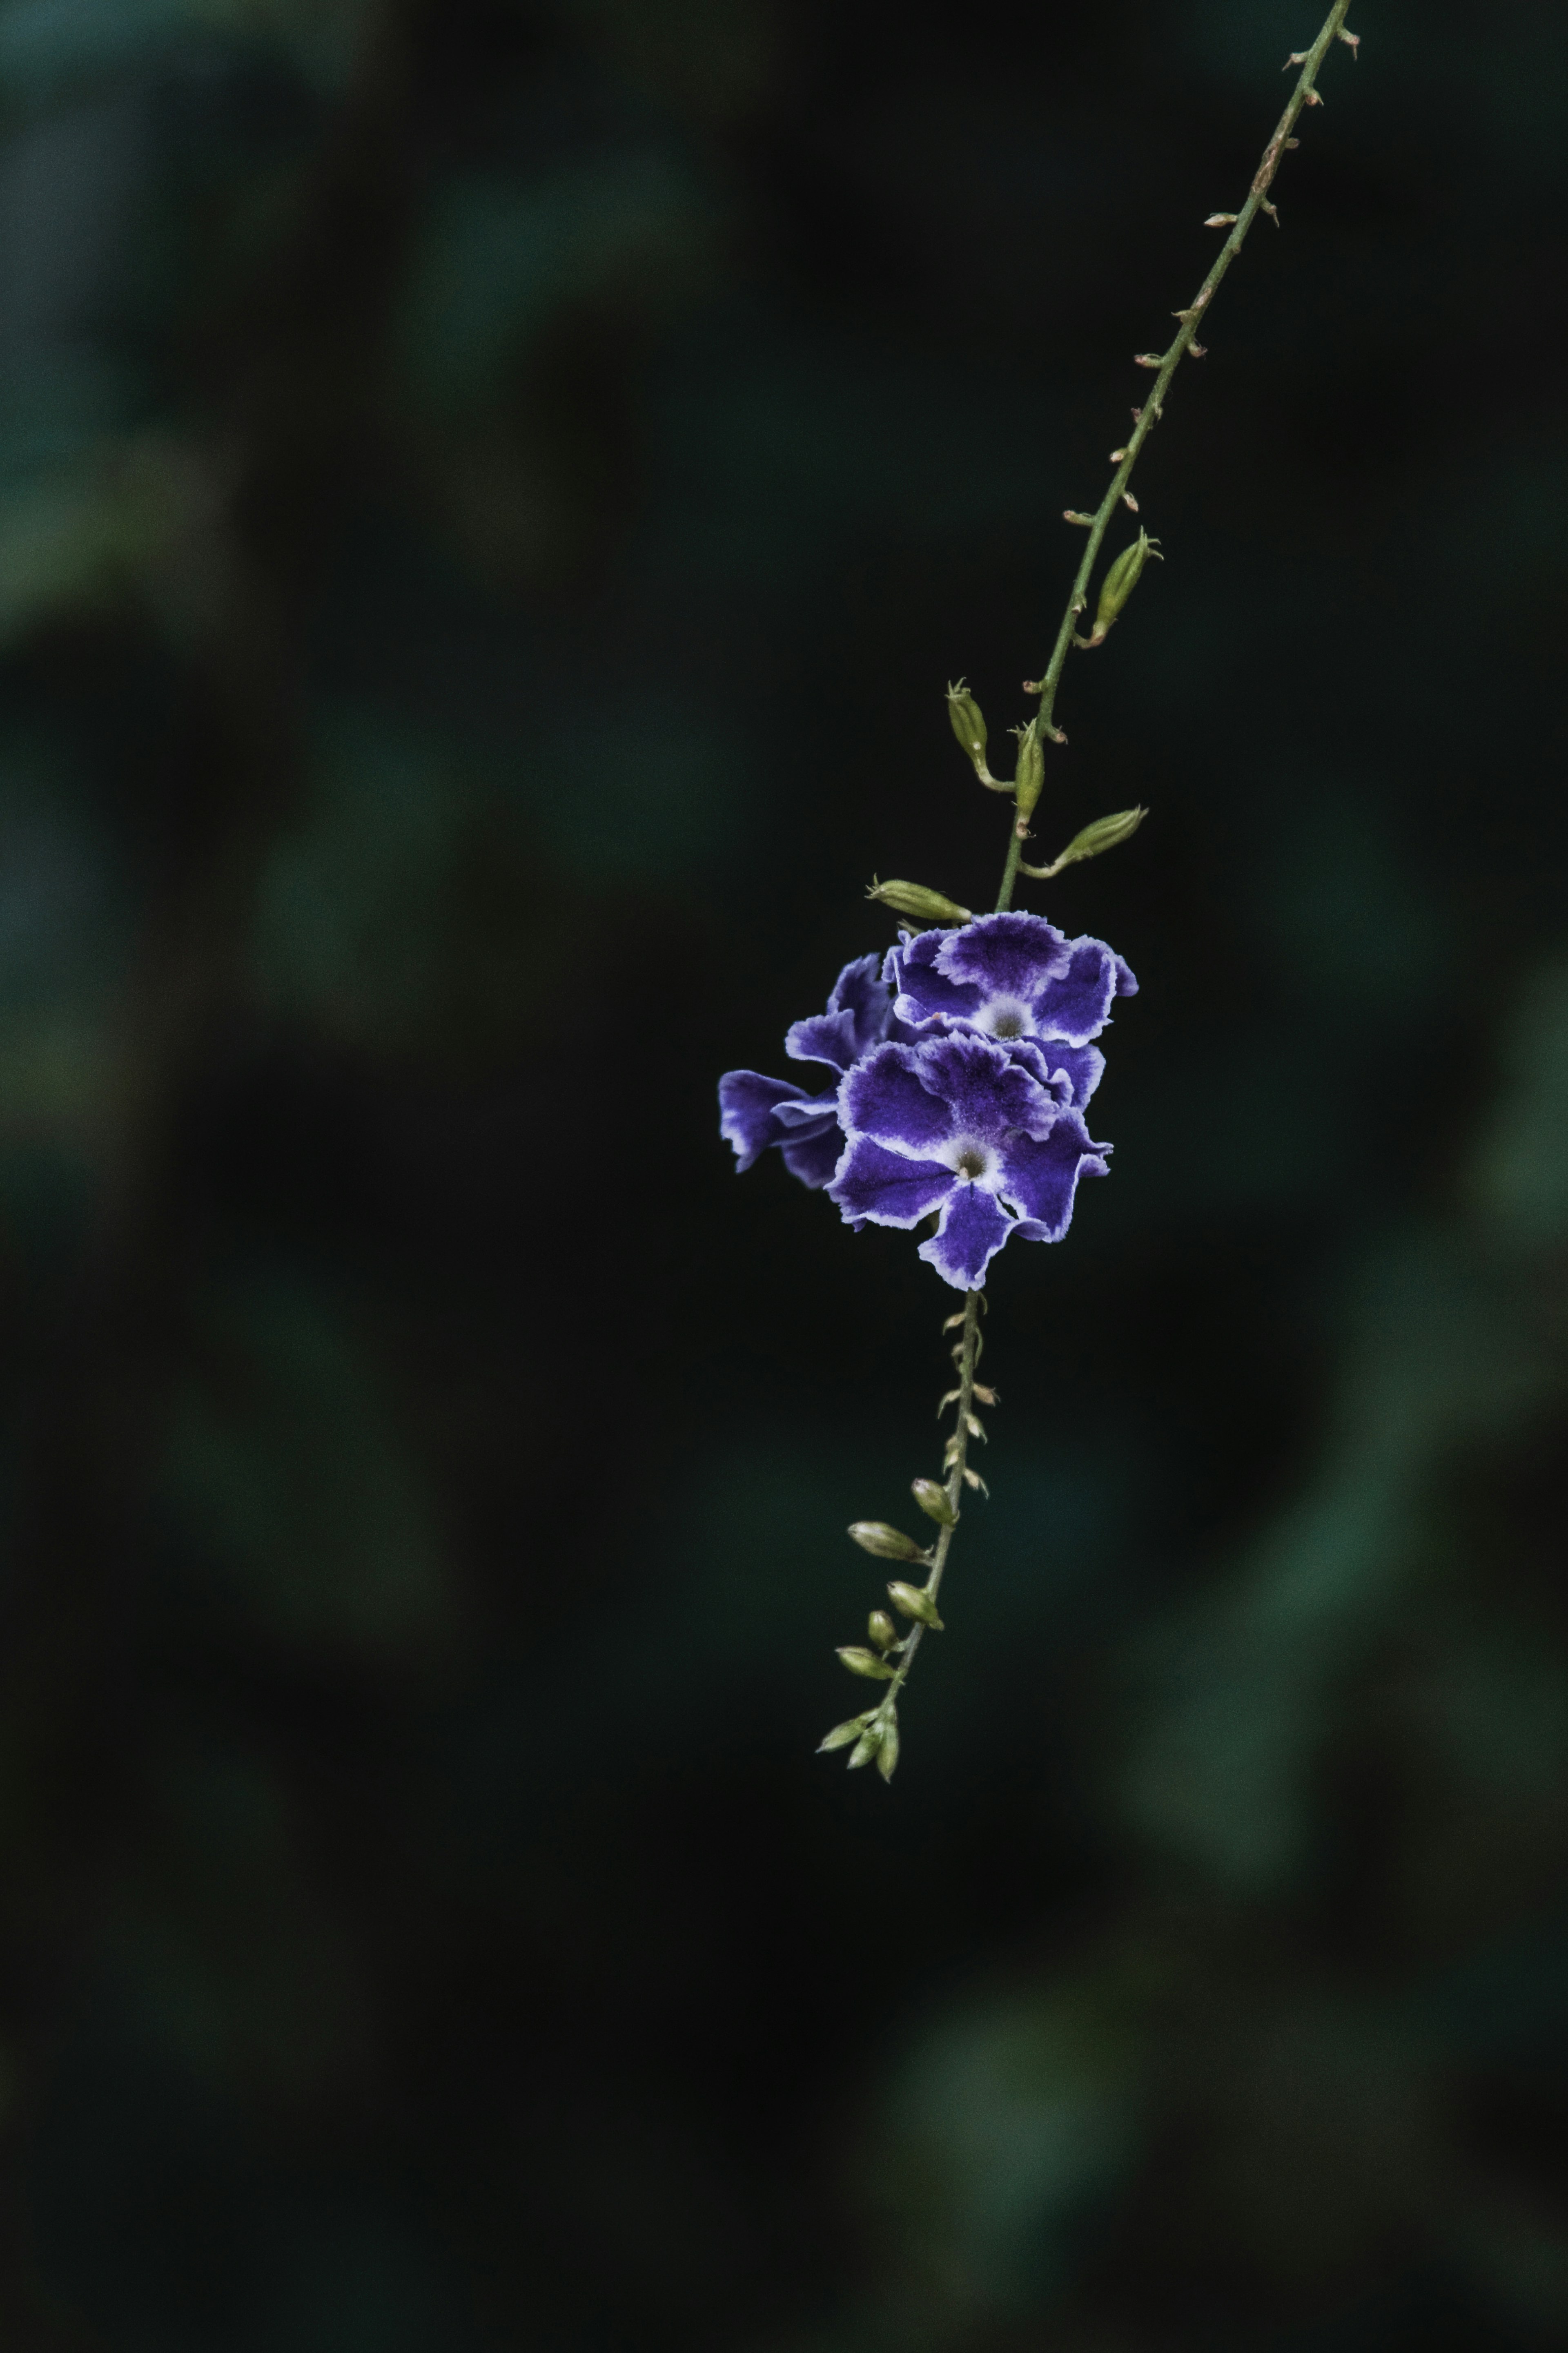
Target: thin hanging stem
x=969, y=1355
x=1145, y=418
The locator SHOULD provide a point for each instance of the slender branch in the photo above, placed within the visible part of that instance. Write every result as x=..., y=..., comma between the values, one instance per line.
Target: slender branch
x=1148, y=416
x=968, y=1358
x=1015, y=839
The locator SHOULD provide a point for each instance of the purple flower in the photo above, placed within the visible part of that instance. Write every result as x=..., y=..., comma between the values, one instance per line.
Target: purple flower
x=756, y=1113
x=1012, y=977
x=962, y=1126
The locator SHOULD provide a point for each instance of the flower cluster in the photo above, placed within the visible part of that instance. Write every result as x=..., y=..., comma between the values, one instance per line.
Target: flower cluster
x=963, y=1066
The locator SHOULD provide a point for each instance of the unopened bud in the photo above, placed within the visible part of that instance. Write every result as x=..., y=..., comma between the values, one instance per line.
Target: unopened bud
x=881, y=1630
x=920, y=905
x=866, y=1662
x=1121, y=579
x=1102, y=835
x=866, y=1747
x=968, y=722
x=1124, y=574
x=912, y=1602
x=888, y=1748
x=1031, y=770
x=887, y=1544
x=932, y=1501
x=843, y=1734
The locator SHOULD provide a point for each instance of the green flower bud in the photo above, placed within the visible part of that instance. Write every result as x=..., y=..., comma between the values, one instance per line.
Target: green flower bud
x=881, y=1630
x=1121, y=581
x=1102, y=835
x=867, y=1664
x=887, y=1544
x=888, y=1748
x=866, y=1747
x=932, y=1501
x=913, y=1603
x=920, y=905
x=968, y=722
x=843, y=1734
x=1031, y=770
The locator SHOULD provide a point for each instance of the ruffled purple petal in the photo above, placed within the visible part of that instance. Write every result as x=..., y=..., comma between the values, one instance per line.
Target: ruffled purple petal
x=1070, y=1073
x=1004, y=955
x=887, y=1187
x=1010, y=976
x=884, y=1096
x=1076, y=1006
x=922, y=995
x=862, y=993
x=972, y=1229
x=823, y=1038
x=812, y=1159
x=986, y=1090
x=1040, y=1179
x=811, y=1112
x=858, y=1015
x=747, y=1103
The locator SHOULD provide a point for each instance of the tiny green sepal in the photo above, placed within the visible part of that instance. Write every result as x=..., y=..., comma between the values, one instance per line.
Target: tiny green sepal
x=887, y=1543
x=843, y=1734
x=913, y=1603
x=920, y=905
x=866, y=1747
x=866, y=1662
x=887, y=1748
x=881, y=1630
x=932, y=1501
x=1092, y=842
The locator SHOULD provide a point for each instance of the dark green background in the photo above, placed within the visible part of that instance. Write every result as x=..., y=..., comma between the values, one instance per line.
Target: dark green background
x=491, y=496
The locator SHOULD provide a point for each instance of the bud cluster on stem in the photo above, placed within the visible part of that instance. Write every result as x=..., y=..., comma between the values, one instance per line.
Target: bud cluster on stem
x=874, y=1734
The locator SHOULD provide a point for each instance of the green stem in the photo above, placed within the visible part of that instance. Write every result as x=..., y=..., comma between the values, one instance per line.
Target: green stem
x=1010, y=871
x=966, y=1364
x=1190, y=321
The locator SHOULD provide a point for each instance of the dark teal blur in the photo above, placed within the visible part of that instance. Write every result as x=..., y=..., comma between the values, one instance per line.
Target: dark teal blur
x=492, y=495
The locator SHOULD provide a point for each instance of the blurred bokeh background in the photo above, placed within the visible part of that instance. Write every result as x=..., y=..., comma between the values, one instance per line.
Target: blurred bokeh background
x=492, y=493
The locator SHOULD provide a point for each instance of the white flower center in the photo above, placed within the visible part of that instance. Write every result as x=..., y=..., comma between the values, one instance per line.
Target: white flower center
x=1007, y=1017
x=970, y=1158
